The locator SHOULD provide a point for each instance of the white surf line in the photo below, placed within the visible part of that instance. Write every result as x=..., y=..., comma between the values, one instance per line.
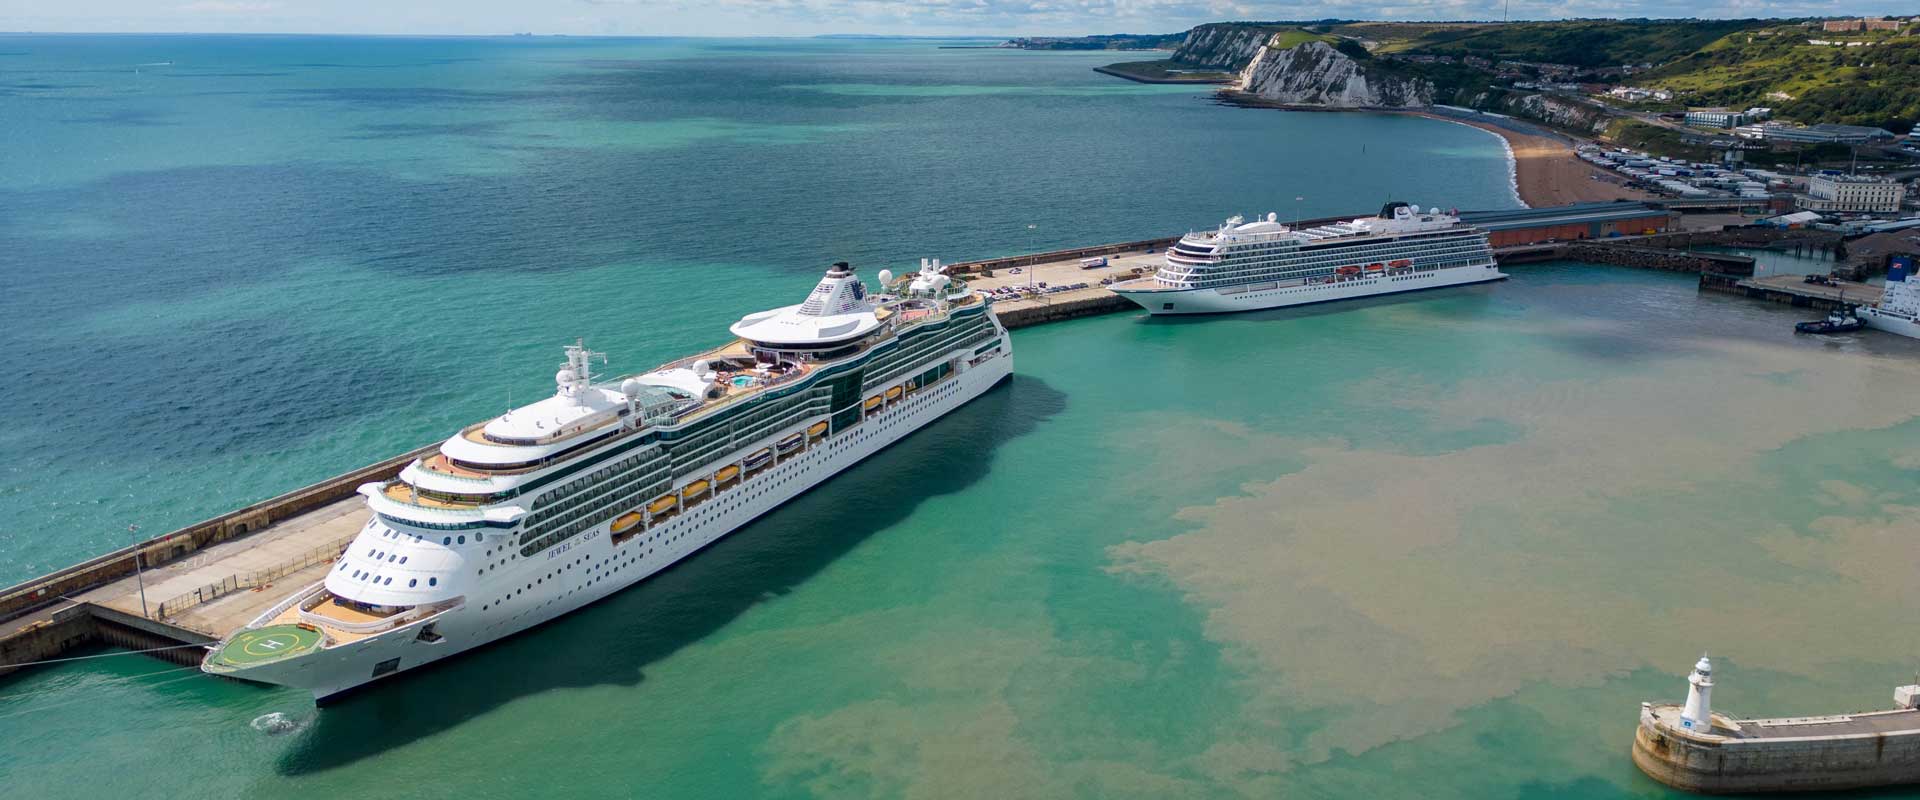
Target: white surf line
x=1513, y=162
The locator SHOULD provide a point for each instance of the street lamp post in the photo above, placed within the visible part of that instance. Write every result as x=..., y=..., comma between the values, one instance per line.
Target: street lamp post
x=139, y=572
x=1033, y=243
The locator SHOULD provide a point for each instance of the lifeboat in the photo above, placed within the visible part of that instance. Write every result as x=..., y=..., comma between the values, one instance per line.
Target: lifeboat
x=817, y=430
x=893, y=393
x=693, y=490
x=1376, y=267
x=626, y=521
x=1401, y=263
x=662, y=503
x=759, y=459
x=1348, y=270
x=790, y=444
x=874, y=402
x=726, y=473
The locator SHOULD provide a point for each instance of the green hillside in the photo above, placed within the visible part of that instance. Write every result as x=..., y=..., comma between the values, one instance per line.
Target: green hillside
x=1876, y=83
x=1586, y=43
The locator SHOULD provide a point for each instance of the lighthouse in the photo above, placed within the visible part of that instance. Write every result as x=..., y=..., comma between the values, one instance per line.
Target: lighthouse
x=1698, y=715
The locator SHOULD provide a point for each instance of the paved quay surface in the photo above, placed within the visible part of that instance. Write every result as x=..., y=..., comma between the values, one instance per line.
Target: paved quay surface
x=277, y=545
x=1065, y=273
x=1856, y=293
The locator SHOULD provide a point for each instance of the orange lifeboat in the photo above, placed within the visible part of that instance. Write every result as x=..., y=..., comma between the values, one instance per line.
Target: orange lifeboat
x=1348, y=270
x=626, y=522
x=1401, y=263
x=1376, y=267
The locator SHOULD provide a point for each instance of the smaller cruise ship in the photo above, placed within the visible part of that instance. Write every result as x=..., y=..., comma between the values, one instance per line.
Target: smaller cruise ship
x=1899, y=308
x=1244, y=266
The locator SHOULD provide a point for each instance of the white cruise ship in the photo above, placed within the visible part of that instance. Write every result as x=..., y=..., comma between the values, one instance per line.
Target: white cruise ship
x=1264, y=264
x=556, y=504
x=1899, y=308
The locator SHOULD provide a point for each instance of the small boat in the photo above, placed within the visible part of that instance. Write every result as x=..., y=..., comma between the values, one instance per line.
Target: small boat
x=662, y=503
x=817, y=430
x=626, y=521
x=790, y=444
x=893, y=393
x=874, y=402
x=1376, y=267
x=759, y=459
x=1837, y=321
x=1348, y=270
x=726, y=473
x=1400, y=263
x=693, y=489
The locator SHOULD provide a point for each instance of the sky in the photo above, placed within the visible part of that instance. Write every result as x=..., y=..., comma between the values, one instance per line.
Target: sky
x=812, y=17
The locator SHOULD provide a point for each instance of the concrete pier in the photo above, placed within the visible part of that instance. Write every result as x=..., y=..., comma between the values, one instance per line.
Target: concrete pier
x=1794, y=291
x=1825, y=753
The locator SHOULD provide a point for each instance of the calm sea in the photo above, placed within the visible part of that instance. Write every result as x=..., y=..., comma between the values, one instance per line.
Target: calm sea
x=1431, y=546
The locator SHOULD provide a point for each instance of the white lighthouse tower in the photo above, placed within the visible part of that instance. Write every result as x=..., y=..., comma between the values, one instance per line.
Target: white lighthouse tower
x=1698, y=715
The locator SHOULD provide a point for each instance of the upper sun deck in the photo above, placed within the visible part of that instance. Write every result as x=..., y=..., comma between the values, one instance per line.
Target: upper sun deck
x=1394, y=219
x=496, y=455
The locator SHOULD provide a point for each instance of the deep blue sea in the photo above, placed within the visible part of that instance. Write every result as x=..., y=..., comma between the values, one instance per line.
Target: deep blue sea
x=1437, y=545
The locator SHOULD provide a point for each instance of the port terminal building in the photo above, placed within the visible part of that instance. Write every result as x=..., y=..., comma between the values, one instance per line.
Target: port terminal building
x=1524, y=226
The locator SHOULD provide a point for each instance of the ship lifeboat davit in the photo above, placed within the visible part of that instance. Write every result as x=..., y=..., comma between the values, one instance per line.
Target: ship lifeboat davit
x=817, y=430
x=663, y=503
x=693, y=490
x=759, y=459
x=790, y=444
x=873, y=402
x=726, y=473
x=626, y=522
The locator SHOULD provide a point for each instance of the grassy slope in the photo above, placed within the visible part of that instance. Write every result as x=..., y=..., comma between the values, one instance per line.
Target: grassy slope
x=1587, y=43
x=1877, y=84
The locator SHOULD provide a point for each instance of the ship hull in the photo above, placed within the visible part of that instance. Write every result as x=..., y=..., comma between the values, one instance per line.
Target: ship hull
x=1891, y=323
x=1234, y=299
x=590, y=567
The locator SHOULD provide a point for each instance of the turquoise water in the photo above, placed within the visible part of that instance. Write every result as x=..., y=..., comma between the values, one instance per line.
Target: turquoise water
x=1436, y=545
x=235, y=265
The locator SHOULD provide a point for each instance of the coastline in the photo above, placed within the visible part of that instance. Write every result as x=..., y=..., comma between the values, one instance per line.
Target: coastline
x=1546, y=172
x=1543, y=168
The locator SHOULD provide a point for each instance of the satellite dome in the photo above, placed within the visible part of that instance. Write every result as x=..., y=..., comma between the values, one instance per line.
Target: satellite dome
x=886, y=277
x=564, y=377
x=631, y=387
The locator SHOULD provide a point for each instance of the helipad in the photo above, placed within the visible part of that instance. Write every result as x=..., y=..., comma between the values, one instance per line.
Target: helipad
x=261, y=645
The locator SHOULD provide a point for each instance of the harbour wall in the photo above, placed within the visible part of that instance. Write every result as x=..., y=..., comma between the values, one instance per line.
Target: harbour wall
x=180, y=543
x=1719, y=765
x=1042, y=313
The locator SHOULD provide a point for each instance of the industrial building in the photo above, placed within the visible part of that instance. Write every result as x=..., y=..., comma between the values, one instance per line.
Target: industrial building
x=1569, y=223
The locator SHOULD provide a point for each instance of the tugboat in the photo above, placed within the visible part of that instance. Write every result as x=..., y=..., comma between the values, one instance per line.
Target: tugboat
x=1840, y=320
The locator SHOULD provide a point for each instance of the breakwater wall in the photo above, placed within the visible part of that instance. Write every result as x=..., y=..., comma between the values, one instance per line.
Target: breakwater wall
x=1642, y=256
x=172, y=546
x=1833, y=753
x=1039, y=313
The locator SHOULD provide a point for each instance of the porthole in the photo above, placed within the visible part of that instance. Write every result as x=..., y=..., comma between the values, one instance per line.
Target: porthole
x=433, y=581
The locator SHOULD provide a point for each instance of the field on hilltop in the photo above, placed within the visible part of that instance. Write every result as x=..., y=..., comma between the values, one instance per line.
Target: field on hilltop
x=1585, y=43
x=1874, y=83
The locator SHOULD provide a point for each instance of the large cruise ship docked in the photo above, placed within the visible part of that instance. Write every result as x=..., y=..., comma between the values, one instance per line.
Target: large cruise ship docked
x=556, y=504
x=1244, y=266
